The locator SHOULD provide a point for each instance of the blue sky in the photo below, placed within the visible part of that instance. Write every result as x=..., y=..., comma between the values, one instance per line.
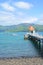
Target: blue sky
x=13, y=12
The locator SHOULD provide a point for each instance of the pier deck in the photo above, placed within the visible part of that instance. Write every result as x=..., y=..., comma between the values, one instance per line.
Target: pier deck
x=36, y=35
x=38, y=39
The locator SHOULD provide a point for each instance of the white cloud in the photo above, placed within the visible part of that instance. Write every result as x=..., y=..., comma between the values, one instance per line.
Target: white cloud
x=29, y=20
x=10, y=19
x=40, y=21
x=23, y=5
x=20, y=13
x=7, y=7
x=7, y=18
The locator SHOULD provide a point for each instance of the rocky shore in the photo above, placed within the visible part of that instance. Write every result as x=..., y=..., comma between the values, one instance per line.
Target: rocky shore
x=21, y=61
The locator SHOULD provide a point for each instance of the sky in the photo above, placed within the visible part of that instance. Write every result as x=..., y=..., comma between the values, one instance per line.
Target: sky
x=13, y=12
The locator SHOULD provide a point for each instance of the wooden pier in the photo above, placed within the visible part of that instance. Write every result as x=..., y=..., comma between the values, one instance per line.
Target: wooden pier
x=38, y=39
x=35, y=38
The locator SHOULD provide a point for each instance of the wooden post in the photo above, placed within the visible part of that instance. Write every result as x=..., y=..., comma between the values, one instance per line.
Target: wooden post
x=41, y=44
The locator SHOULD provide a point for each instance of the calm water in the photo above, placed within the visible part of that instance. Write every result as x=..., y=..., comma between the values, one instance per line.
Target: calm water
x=14, y=45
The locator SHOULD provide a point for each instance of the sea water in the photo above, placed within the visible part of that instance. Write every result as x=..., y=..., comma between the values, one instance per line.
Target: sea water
x=14, y=45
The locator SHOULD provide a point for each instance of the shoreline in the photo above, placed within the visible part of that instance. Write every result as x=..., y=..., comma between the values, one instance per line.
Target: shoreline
x=22, y=61
x=21, y=57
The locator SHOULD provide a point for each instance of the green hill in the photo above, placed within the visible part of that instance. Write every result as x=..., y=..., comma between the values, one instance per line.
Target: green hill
x=20, y=27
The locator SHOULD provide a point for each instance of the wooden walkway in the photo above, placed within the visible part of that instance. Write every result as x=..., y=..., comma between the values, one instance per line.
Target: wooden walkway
x=38, y=39
x=36, y=35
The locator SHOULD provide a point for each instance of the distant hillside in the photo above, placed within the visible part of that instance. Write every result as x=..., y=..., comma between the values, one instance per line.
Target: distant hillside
x=20, y=27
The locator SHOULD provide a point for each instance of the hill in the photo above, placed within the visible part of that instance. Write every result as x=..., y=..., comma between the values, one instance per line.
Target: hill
x=20, y=27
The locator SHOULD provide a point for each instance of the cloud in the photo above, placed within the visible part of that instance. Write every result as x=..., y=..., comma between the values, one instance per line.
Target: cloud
x=7, y=7
x=40, y=21
x=7, y=18
x=24, y=5
x=29, y=20
x=20, y=13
